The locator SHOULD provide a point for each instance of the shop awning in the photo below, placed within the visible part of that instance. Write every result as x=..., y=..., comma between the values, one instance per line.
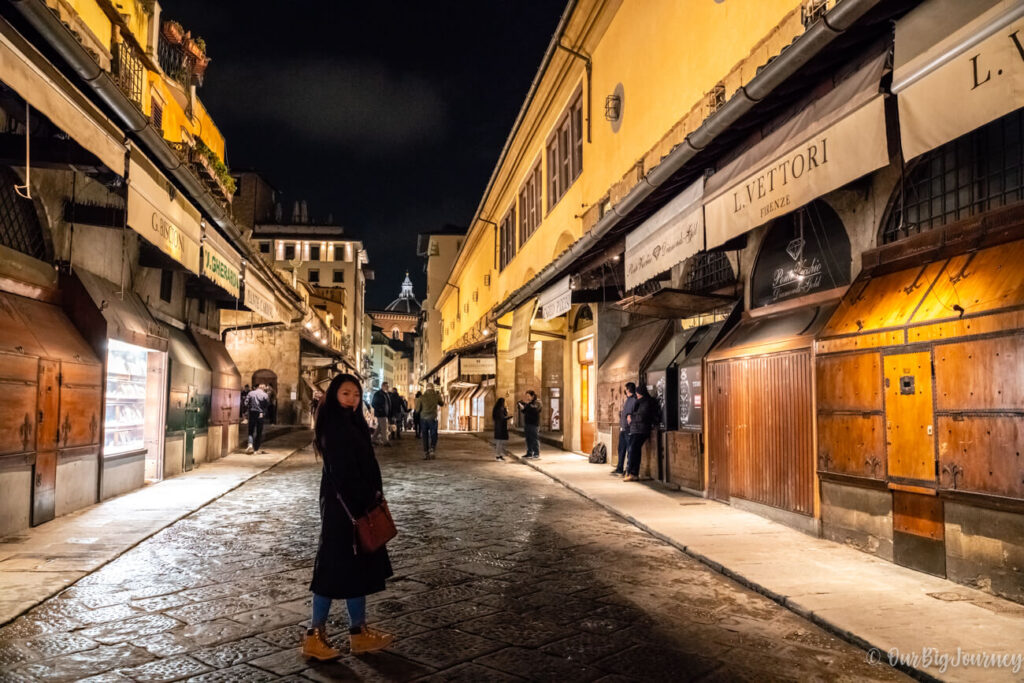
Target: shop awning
x=35, y=328
x=436, y=370
x=836, y=139
x=519, y=338
x=225, y=373
x=554, y=301
x=257, y=298
x=787, y=330
x=161, y=214
x=187, y=364
x=30, y=75
x=221, y=263
x=632, y=351
x=673, y=234
x=957, y=66
x=127, y=318
x=673, y=303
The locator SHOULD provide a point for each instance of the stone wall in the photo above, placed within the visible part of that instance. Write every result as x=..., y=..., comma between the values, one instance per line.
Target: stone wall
x=275, y=349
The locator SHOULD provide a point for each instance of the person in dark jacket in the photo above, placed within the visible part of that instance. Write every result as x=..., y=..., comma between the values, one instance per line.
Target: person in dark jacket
x=381, y=404
x=350, y=477
x=641, y=421
x=531, y=423
x=625, y=415
x=257, y=403
x=501, y=418
x=397, y=414
x=416, y=415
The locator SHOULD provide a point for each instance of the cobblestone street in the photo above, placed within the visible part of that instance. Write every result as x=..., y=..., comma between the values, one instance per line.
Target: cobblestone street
x=501, y=574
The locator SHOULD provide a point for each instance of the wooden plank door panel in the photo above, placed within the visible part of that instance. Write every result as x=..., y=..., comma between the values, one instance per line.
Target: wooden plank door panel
x=909, y=417
x=44, y=484
x=852, y=445
x=918, y=532
x=982, y=453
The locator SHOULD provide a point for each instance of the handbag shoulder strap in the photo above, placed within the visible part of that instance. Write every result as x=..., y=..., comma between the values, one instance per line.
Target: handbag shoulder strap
x=330, y=479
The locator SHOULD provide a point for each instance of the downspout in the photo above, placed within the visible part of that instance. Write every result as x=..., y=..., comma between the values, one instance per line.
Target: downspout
x=588, y=66
x=253, y=326
x=806, y=47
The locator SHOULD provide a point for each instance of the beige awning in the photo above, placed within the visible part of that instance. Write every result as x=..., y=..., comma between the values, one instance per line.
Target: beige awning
x=556, y=300
x=519, y=339
x=958, y=65
x=221, y=263
x=160, y=214
x=673, y=234
x=258, y=298
x=45, y=89
x=836, y=139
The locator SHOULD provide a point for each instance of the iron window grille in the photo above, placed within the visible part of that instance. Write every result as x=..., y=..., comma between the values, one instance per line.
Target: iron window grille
x=19, y=225
x=128, y=72
x=707, y=271
x=977, y=172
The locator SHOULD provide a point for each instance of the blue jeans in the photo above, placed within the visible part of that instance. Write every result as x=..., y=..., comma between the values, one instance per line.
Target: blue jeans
x=428, y=430
x=620, y=467
x=636, y=449
x=356, y=611
x=532, y=433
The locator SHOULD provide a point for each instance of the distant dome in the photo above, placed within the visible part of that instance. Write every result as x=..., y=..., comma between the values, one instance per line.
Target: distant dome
x=406, y=301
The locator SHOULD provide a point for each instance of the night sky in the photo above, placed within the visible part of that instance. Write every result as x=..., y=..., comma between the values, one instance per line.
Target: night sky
x=388, y=115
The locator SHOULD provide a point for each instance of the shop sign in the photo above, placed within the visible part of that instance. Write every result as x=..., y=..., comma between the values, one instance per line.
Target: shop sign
x=555, y=300
x=171, y=224
x=974, y=74
x=486, y=365
x=259, y=302
x=853, y=147
x=673, y=234
x=519, y=338
x=222, y=273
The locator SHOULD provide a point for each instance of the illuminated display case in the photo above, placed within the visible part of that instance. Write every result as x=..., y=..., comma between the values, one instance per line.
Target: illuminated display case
x=126, y=398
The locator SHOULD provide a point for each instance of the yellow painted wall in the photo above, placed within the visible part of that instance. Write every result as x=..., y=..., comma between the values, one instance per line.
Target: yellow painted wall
x=95, y=19
x=667, y=54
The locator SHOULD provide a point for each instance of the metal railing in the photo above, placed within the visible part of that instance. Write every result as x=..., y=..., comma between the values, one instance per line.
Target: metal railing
x=129, y=72
x=175, y=62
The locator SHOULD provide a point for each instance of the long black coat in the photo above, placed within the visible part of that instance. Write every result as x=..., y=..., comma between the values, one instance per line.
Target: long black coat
x=645, y=416
x=500, y=416
x=350, y=469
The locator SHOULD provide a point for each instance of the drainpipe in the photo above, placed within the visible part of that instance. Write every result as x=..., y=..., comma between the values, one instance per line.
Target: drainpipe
x=253, y=326
x=806, y=47
x=588, y=66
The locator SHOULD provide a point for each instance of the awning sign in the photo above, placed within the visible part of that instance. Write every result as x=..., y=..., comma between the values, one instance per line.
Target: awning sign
x=831, y=142
x=519, y=339
x=448, y=372
x=672, y=235
x=258, y=300
x=221, y=264
x=486, y=365
x=172, y=225
x=973, y=73
x=556, y=300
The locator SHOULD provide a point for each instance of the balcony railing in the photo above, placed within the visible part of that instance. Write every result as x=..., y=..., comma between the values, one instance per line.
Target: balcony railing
x=129, y=72
x=203, y=170
x=175, y=62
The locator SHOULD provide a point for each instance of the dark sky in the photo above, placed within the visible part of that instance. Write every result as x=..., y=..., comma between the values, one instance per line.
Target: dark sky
x=389, y=115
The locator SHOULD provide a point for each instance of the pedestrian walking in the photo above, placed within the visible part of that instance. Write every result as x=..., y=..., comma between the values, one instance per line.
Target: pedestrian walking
x=531, y=423
x=242, y=403
x=625, y=415
x=427, y=406
x=271, y=411
x=643, y=419
x=501, y=418
x=350, y=479
x=416, y=414
x=256, y=405
x=381, y=403
x=397, y=412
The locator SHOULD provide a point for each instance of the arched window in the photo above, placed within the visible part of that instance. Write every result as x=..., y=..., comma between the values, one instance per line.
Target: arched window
x=977, y=172
x=707, y=271
x=584, y=318
x=19, y=224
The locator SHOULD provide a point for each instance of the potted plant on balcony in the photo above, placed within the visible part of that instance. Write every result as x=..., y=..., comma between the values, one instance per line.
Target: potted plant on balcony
x=173, y=32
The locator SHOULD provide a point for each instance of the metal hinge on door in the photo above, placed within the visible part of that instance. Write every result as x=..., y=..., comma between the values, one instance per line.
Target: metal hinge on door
x=60, y=379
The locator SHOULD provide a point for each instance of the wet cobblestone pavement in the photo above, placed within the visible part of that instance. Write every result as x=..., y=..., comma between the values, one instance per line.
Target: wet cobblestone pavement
x=501, y=575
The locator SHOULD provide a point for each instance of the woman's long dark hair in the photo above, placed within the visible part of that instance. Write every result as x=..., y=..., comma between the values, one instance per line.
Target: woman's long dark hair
x=499, y=406
x=641, y=390
x=331, y=416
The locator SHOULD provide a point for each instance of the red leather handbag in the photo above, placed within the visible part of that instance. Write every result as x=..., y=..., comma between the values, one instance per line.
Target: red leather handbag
x=372, y=531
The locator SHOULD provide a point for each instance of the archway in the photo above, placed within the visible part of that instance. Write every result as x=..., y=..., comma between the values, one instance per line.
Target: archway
x=562, y=243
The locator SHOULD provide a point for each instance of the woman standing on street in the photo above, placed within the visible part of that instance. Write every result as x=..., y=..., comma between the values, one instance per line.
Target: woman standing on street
x=501, y=418
x=643, y=420
x=351, y=477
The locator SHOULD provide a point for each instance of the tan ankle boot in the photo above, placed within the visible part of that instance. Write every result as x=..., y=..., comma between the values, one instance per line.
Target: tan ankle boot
x=369, y=640
x=316, y=645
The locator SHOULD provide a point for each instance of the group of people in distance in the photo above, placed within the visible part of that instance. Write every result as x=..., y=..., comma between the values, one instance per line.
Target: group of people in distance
x=391, y=412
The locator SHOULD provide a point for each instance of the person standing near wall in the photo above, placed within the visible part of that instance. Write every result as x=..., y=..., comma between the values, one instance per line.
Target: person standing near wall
x=382, y=412
x=427, y=406
x=625, y=415
x=643, y=419
x=256, y=404
x=531, y=423
x=501, y=418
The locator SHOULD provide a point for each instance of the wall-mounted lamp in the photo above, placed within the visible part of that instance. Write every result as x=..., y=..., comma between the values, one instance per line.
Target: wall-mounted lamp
x=612, y=108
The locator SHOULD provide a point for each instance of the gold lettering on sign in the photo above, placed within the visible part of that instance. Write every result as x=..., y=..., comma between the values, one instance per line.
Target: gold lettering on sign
x=804, y=160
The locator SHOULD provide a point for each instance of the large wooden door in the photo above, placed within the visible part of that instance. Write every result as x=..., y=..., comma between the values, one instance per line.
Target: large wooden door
x=44, y=481
x=909, y=428
x=586, y=424
x=720, y=431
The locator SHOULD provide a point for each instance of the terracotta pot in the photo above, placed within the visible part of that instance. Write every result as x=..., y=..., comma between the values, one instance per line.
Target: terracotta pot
x=173, y=32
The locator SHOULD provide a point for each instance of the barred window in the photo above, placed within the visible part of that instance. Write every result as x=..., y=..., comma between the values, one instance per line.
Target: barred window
x=977, y=172
x=19, y=224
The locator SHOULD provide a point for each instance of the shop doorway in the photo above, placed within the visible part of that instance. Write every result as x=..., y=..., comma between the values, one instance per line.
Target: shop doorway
x=585, y=358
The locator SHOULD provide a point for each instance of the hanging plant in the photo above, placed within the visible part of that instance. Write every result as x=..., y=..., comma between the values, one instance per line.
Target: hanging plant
x=173, y=32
